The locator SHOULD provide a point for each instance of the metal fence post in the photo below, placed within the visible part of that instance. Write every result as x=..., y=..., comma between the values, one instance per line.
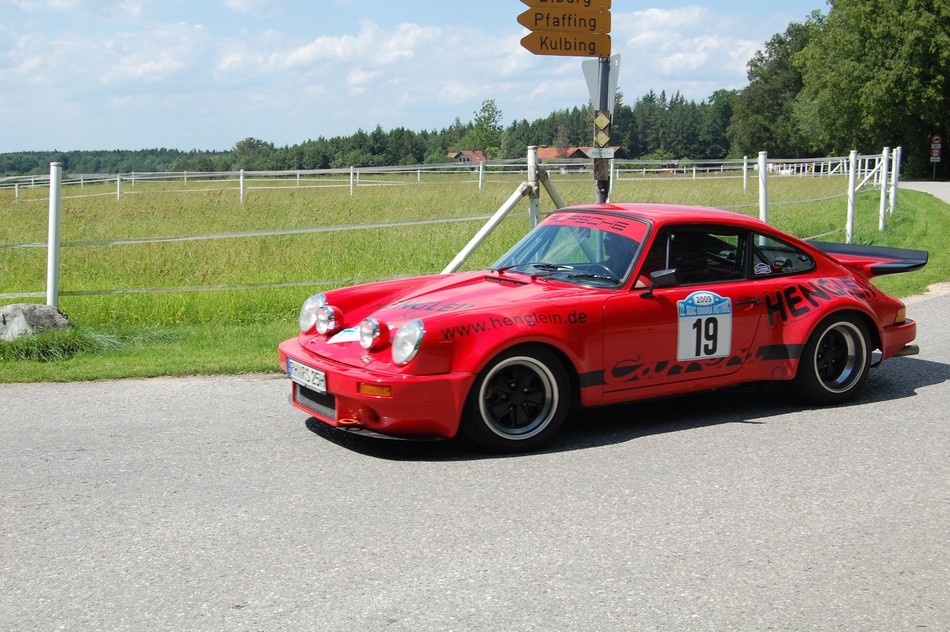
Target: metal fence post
x=534, y=192
x=118, y=186
x=852, y=191
x=52, y=243
x=895, y=176
x=241, y=186
x=885, y=163
x=763, y=186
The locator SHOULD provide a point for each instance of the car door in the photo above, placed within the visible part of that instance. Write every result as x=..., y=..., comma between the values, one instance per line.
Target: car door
x=696, y=325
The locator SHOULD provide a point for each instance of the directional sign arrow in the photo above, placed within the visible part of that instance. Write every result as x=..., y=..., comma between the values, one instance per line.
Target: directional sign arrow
x=567, y=44
x=566, y=20
x=591, y=5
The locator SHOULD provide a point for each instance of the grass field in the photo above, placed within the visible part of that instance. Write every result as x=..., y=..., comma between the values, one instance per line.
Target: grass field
x=159, y=317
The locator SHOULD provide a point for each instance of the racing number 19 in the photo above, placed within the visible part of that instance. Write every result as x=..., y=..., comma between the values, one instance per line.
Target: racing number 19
x=707, y=336
x=704, y=327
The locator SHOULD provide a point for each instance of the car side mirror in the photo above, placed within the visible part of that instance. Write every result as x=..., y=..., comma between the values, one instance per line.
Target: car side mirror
x=661, y=278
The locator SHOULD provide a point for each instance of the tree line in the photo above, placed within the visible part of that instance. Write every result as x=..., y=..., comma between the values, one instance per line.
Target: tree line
x=656, y=126
x=867, y=74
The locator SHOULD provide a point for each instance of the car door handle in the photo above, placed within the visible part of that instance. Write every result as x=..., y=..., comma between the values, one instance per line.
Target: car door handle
x=748, y=301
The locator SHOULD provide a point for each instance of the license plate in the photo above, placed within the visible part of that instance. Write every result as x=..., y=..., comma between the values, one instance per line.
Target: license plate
x=304, y=375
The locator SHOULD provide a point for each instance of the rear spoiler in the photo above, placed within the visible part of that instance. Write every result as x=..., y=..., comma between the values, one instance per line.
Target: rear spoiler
x=872, y=261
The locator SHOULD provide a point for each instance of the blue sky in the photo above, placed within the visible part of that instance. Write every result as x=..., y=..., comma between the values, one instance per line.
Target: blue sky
x=205, y=74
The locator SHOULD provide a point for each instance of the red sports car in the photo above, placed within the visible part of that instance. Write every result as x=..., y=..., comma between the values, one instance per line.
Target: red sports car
x=598, y=305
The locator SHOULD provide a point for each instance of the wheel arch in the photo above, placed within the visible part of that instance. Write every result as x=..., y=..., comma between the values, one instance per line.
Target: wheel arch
x=526, y=347
x=869, y=322
x=520, y=398
x=830, y=370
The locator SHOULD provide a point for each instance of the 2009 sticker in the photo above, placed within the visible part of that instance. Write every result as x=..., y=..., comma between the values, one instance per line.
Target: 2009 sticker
x=704, y=327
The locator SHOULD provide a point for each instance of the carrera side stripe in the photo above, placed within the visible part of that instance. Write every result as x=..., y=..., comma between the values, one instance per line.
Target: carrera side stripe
x=779, y=352
x=593, y=378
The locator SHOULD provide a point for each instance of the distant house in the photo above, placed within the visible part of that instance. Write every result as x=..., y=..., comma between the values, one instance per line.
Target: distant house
x=468, y=155
x=560, y=153
x=569, y=153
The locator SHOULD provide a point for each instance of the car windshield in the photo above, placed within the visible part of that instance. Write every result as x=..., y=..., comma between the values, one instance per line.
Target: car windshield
x=573, y=253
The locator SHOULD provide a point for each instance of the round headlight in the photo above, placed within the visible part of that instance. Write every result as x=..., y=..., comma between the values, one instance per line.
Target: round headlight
x=407, y=341
x=329, y=319
x=308, y=312
x=373, y=334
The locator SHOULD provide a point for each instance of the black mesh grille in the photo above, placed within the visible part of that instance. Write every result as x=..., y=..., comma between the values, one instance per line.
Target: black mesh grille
x=321, y=404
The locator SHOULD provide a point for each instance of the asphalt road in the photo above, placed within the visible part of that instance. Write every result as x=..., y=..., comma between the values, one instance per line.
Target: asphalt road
x=938, y=189
x=211, y=504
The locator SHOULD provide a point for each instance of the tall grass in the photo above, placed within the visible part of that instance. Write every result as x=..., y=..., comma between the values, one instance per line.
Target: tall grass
x=188, y=284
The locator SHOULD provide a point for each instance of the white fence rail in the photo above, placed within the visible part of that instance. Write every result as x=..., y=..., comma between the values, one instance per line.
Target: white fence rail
x=863, y=171
x=354, y=177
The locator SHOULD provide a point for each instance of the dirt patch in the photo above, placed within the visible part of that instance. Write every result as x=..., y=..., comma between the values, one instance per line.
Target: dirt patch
x=937, y=289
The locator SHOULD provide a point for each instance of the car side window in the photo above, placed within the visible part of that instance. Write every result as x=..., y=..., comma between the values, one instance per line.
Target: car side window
x=699, y=254
x=773, y=257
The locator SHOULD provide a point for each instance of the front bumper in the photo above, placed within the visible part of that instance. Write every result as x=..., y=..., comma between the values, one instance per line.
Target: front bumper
x=420, y=405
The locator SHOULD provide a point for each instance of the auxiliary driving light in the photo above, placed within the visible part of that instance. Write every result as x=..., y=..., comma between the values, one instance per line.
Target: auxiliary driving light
x=373, y=334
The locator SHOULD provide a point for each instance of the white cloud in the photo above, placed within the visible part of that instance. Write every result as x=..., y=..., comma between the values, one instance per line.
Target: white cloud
x=359, y=81
x=249, y=7
x=454, y=92
x=692, y=50
x=252, y=70
x=147, y=67
x=153, y=56
x=45, y=5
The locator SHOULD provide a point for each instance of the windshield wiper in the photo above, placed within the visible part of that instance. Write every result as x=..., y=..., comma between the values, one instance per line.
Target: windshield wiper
x=592, y=275
x=538, y=265
x=551, y=267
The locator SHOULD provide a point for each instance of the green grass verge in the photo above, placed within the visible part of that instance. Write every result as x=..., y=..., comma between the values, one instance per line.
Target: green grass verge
x=237, y=331
x=140, y=352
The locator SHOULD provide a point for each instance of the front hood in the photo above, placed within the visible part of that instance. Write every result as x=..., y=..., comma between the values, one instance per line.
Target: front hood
x=457, y=311
x=477, y=292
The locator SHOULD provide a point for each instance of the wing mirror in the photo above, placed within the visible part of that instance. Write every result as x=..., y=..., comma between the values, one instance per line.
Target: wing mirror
x=661, y=278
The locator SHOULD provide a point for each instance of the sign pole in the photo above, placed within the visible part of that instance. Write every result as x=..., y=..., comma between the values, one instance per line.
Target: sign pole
x=582, y=31
x=602, y=132
x=936, y=152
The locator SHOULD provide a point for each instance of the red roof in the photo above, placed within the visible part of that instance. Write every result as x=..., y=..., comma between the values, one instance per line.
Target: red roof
x=562, y=153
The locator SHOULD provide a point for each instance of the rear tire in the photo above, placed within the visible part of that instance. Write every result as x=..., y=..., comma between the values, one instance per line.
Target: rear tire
x=519, y=401
x=835, y=361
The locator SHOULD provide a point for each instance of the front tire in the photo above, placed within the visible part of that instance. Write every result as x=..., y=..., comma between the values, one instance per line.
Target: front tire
x=835, y=361
x=518, y=402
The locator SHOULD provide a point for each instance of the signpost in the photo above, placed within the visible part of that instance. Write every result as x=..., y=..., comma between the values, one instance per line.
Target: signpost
x=936, y=152
x=566, y=20
x=574, y=28
x=580, y=28
x=567, y=44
